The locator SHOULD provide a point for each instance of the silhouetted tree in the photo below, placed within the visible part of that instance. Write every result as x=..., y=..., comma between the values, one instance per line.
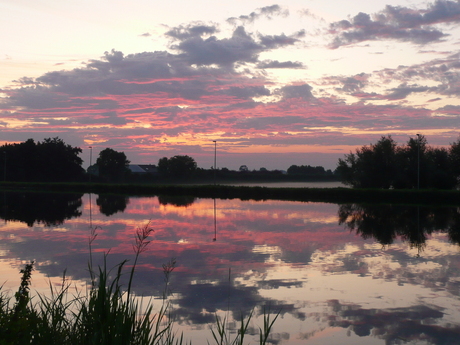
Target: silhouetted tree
x=113, y=165
x=371, y=166
x=50, y=160
x=454, y=158
x=177, y=166
x=306, y=170
x=385, y=165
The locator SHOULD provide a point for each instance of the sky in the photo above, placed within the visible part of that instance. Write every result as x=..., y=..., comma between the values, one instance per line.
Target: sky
x=272, y=83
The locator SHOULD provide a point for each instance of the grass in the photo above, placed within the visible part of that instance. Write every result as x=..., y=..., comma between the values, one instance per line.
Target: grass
x=105, y=314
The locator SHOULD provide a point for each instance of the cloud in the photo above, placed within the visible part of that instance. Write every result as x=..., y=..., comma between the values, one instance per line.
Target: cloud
x=404, y=90
x=397, y=23
x=276, y=41
x=241, y=47
x=267, y=12
x=196, y=29
x=302, y=91
x=266, y=64
x=212, y=83
x=354, y=84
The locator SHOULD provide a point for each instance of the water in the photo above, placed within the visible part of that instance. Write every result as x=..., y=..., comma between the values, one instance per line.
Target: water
x=333, y=184
x=346, y=274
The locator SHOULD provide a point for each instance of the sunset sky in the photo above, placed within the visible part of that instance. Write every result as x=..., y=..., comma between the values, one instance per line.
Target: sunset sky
x=274, y=84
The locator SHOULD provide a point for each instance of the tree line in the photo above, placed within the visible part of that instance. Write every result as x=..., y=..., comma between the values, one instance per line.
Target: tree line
x=413, y=165
x=52, y=160
x=381, y=165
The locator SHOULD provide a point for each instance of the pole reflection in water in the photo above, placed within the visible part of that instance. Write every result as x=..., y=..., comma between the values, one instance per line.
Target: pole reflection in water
x=323, y=265
x=215, y=222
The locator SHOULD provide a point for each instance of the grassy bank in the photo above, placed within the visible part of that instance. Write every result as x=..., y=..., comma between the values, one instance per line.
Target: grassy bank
x=332, y=195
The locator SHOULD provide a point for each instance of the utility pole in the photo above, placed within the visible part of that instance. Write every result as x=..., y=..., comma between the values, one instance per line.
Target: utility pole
x=418, y=161
x=215, y=159
x=90, y=161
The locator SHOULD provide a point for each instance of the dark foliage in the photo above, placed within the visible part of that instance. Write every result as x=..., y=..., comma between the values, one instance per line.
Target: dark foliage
x=112, y=165
x=414, y=165
x=50, y=160
x=307, y=170
x=177, y=167
x=42, y=208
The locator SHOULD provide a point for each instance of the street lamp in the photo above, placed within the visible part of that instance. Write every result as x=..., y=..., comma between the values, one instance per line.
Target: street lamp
x=215, y=156
x=418, y=161
x=90, y=161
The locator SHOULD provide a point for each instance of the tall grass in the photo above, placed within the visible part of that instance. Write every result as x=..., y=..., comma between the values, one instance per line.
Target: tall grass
x=105, y=314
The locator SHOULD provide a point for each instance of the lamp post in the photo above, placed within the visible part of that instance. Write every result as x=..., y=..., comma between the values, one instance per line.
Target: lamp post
x=90, y=161
x=215, y=157
x=418, y=161
x=4, y=168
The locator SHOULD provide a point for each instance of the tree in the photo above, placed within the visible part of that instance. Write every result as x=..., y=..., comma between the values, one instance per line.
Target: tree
x=50, y=160
x=385, y=165
x=306, y=170
x=113, y=165
x=439, y=172
x=371, y=166
x=454, y=158
x=177, y=166
x=59, y=161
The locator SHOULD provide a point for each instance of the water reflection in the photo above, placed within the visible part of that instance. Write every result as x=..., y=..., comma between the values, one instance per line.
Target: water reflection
x=395, y=325
x=176, y=200
x=110, y=204
x=47, y=209
x=236, y=255
x=414, y=224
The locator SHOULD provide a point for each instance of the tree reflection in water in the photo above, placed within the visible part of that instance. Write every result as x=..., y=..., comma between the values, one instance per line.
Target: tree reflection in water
x=413, y=224
x=110, y=204
x=41, y=208
x=176, y=200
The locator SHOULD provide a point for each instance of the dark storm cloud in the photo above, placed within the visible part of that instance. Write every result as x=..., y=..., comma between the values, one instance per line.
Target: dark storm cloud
x=266, y=64
x=397, y=23
x=267, y=12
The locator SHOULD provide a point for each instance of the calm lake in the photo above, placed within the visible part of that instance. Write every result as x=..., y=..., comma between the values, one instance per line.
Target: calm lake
x=338, y=274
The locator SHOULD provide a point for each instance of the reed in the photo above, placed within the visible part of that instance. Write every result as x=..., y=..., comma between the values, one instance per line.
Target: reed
x=105, y=314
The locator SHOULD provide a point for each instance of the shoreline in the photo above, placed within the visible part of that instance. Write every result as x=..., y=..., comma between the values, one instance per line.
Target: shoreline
x=337, y=195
